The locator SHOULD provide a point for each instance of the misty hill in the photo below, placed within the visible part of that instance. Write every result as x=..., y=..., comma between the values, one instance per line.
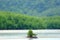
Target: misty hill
x=32, y=7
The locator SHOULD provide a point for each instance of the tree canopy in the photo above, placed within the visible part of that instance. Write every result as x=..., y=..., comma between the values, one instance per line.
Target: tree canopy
x=11, y=20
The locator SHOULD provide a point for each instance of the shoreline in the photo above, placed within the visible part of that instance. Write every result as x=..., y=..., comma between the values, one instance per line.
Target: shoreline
x=25, y=31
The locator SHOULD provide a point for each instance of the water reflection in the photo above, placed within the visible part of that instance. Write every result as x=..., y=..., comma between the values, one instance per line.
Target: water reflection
x=30, y=38
x=44, y=39
x=33, y=38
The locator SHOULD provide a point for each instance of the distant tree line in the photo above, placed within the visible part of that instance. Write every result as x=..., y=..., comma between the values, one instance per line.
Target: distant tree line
x=10, y=20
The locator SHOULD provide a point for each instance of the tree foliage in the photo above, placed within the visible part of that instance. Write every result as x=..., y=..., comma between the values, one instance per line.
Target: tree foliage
x=11, y=20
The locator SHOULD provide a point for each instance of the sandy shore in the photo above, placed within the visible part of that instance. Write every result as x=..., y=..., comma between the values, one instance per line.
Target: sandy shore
x=25, y=31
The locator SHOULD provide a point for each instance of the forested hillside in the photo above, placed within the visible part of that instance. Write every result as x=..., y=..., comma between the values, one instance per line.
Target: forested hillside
x=11, y=20
x=32, y=7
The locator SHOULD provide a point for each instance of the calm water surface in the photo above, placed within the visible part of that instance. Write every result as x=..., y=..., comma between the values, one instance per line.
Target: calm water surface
x=23, y=35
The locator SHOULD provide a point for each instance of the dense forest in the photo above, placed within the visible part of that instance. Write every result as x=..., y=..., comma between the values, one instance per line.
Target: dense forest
x=32, y=7
x=11, y=20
